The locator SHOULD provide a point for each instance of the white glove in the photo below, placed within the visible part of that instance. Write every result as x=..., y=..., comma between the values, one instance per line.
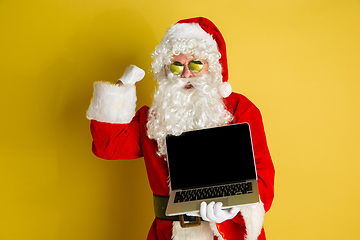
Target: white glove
x=132, y=75
x=214, y=213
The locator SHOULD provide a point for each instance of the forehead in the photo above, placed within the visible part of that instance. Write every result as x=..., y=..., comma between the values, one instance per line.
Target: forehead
x=181, y=58
x=185, y=58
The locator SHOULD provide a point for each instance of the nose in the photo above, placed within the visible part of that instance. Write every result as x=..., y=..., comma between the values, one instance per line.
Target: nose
x=187, y=73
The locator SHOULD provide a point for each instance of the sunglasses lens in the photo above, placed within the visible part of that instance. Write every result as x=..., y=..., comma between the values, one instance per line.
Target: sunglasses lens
x=196, y=66
x=176, y=68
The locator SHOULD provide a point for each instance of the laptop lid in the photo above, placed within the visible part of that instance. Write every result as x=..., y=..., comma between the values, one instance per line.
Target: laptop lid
x=210, y=157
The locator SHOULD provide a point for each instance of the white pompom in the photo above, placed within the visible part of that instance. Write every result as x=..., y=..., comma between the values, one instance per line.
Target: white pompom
x=225, y=89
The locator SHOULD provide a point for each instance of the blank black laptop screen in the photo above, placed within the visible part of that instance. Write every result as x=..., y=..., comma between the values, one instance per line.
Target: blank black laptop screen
x=211, y=156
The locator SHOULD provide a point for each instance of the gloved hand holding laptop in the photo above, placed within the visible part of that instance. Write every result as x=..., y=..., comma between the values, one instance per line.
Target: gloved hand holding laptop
x=212, y=212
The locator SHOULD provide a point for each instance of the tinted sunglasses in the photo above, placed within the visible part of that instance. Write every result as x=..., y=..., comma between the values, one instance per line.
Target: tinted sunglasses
x=195, y=66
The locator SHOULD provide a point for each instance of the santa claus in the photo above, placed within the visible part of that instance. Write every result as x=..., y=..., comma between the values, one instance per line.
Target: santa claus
x=190, y=68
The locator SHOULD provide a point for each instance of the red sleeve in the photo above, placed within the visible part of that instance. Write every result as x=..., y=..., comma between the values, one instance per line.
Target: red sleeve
x=264, y=165
x=114, y=141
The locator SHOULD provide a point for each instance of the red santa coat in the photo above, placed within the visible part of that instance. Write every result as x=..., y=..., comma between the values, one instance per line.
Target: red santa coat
x=130, y=141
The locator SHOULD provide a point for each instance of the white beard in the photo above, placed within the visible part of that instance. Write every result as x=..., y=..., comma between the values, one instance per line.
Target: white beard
x=176, y=109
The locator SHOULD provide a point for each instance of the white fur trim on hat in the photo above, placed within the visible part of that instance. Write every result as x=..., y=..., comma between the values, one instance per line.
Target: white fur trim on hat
x=225, y=89
x=189, y=31
x=112, y=103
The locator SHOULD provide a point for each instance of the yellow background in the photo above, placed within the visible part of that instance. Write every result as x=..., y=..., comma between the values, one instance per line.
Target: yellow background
x=297, y=60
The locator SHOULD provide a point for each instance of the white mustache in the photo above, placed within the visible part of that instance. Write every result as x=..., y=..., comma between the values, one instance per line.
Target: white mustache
x=204, y=79
x=203, y=84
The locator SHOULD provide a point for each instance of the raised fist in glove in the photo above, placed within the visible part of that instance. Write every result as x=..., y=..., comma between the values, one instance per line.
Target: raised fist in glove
x=213, y=212
x=131, y=75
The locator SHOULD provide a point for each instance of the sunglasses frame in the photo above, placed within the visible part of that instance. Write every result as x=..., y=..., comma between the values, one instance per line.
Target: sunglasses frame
x=188, y=65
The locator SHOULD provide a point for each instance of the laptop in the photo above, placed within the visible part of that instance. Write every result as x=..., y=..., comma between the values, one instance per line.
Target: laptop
x=212, y=164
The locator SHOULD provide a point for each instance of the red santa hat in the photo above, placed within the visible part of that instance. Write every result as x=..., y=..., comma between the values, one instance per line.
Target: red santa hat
x=202, y=28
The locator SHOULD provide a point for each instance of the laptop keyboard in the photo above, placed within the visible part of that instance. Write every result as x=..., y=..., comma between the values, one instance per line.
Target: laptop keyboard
x=212, y=192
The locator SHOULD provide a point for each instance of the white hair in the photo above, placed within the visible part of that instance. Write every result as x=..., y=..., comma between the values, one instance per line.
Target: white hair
x=196, y=48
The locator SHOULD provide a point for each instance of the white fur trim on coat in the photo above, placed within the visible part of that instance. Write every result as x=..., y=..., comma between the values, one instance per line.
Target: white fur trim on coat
x=112, y=103
x=254, y=218
x=215, y=230
x=202, y=232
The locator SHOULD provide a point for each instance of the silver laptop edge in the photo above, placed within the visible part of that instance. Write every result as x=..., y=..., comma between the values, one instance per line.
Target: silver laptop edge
x=174, y=209
x=228, y=202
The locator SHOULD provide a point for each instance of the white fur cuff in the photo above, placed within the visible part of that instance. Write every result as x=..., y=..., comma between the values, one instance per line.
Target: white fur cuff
x=254, y=219
x=112, y=103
